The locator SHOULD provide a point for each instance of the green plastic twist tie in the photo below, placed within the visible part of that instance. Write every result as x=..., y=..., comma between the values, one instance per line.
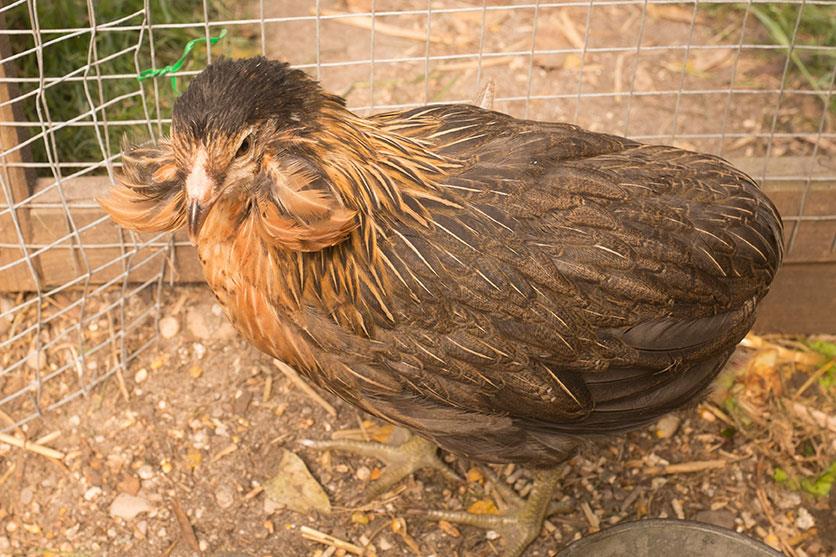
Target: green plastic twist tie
x=171, y=68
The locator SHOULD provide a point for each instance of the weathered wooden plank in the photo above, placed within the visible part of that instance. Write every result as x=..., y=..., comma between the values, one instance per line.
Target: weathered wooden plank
x=14, y=183
x=802, y=301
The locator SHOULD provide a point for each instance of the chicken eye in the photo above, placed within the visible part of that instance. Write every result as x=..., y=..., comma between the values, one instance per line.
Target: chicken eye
x=244, y=147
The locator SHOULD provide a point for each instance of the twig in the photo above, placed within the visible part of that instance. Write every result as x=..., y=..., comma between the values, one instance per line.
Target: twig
x=399, y=527
x=813, y=378
x=365, y=22
x=568, y=29
x=631, y=498
x=326, y=539
x=253, y=492
x=456, y=66
x=766, y=507
x=814, y=417
x=8, y=419
x=291, y=374
x=229, y=449
x=268, y=388
x=796, y=356
x=594, y=523
x=48, y=438
x=686, y=467
x=186, y=529
x=8, y=473
x=120, y=378
x=719, y=413
x=30, y=446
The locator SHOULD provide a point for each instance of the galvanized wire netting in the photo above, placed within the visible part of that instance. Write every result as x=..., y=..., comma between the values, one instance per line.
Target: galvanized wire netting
x=752, y=81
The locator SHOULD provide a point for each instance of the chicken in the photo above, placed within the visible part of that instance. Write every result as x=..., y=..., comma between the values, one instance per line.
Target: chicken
x=505, y=289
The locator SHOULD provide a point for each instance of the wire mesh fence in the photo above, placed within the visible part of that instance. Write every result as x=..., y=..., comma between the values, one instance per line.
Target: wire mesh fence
x=79, y=298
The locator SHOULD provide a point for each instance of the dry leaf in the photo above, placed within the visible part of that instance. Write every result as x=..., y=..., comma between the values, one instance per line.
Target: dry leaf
x=475, y=475
x=449, y=529
x=483, y=506
x=295, y=488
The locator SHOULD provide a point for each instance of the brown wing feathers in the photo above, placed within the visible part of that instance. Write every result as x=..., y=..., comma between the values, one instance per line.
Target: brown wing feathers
x=501, y=286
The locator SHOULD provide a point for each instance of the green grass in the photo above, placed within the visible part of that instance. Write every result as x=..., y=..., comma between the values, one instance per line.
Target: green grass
x=816, y=26
x=68, y=99
x=818, y=486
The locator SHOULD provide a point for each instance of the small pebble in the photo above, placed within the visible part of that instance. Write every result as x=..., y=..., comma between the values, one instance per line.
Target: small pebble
x=4, y=543
x=384, y=544
x=363, y=473
x=666, y=427
x=145, y=472
x=128, y=506
x=26, y=496
x=805, y=520
x=169, y=327
x=92, y=493
x=141, y=375
x=203, y=545
x=721, y=518
x=199, y=350
x=492, y=535
x=678, y=509
x=36, y=359
x=142, y=526
x=225, y=496
x=197, y=322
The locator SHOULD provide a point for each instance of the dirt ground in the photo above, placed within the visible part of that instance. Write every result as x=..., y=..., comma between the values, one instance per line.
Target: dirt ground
x=198, y=424
x=207, y=418
x=655, y=108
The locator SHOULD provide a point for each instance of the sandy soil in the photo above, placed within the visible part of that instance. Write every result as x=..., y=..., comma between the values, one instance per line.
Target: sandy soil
x=203, y=418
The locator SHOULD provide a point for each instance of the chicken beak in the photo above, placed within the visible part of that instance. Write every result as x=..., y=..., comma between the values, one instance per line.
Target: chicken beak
x=199, y=190
x=196, y=217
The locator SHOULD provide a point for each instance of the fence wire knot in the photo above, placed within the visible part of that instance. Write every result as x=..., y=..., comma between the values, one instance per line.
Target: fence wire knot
x=171, y=68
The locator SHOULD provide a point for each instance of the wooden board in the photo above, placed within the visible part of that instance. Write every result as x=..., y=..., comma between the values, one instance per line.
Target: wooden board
x=14, y=183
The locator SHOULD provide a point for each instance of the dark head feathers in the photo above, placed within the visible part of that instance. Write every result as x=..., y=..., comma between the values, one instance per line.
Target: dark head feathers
x=230, y=95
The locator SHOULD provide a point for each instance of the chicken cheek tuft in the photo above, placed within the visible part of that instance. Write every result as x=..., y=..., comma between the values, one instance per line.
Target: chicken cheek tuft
x=149, y=195
x=294, y=211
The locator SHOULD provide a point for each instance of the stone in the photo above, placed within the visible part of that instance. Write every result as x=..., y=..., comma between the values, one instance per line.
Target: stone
x=722, y=518
x=127, y=506
x=225, y=496
x=666, y=426
x=805, y=520
x=26, y=496
x=92, y=493
x=208, y=322
x=141, y=375
x=36, y=359
x=145, y=472
x=294, y=487
x=169, y=327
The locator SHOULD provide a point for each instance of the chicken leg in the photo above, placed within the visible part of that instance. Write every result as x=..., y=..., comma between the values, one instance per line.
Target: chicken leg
x=401, y=460
x=520, y=522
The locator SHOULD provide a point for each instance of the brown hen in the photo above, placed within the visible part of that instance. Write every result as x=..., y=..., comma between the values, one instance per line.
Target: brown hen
x=503, y=288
